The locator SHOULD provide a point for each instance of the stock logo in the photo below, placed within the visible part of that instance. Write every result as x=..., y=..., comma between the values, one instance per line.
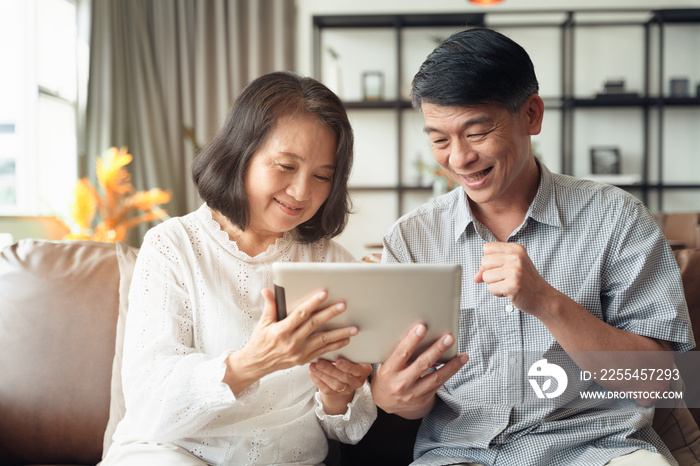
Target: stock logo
x=542, y=368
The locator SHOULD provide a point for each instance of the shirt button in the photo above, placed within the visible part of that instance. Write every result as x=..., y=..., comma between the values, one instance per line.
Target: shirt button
x=509, y=308
x=496, y=430
x=512, y=361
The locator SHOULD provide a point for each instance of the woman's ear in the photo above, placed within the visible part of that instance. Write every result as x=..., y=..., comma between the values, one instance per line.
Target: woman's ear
x=533, y=112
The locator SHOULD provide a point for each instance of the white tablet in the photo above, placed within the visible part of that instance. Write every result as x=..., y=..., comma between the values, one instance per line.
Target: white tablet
x=384, y=301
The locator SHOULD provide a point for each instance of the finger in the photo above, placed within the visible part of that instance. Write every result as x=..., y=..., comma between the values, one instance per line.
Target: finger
x=498, y=289
x=432, y=382
x=333, y=371
x=360, y=371
x=479, y=276
x=321, y=343
x=496, y=260
x=398, y=359
x=494, y=275
x=426, y=360
x=318, y=351
x=496, y=247
x=320, y=317
x=328, y=369
x=302, y=312
x=320, y=384
x=269, y=314
x=335, y=383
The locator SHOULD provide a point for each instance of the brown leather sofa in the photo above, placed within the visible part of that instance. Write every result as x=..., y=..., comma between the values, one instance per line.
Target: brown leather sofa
x=682, y=229
x=59, y=308
x=57, y=329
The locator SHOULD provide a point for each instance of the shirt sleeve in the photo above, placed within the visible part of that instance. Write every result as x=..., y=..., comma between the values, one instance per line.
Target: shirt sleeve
x=171, y=390
x=395, y=248
x=354, y=424
x=641, y=287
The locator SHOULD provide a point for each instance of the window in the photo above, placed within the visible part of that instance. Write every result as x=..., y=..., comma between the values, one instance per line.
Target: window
x=38, y=117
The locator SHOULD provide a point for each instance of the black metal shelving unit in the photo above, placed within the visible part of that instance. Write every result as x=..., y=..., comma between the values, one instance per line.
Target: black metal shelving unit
x=567, y=103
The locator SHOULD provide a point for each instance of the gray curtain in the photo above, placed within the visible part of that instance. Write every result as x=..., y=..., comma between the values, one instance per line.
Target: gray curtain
x=158, y=67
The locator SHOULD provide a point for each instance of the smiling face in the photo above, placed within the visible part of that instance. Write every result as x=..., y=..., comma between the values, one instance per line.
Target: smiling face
x=289, y=177
x=486, y=150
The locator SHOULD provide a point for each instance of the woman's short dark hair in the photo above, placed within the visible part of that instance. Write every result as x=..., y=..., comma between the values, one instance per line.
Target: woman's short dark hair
x=219, y=170
x=473, y=67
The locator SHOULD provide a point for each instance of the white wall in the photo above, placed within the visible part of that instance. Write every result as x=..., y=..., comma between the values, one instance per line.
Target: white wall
x=374, y=130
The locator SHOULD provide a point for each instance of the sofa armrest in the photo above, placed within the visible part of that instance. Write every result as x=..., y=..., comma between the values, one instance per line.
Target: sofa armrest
x=57, y=330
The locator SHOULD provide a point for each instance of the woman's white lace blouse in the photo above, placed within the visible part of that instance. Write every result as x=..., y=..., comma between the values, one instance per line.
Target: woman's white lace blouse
x=194, y=299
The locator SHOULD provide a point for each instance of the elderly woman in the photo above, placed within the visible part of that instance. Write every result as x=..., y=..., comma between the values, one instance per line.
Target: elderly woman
x=210, y=376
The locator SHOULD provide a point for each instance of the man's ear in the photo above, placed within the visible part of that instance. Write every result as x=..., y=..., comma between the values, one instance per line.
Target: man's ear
x=533, y=112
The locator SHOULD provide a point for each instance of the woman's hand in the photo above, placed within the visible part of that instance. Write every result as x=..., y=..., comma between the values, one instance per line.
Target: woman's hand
x=280, y=345
x=337, y=382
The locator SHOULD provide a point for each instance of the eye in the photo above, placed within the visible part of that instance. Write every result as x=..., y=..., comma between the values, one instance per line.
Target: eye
x=323, y=178
x=286, y=167
x=478, y=135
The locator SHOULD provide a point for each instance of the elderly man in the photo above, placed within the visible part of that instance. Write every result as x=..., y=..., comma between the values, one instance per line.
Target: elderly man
x=560, y=275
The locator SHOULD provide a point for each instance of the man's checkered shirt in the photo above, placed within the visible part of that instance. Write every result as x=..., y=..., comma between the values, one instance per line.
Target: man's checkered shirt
x=596, y=244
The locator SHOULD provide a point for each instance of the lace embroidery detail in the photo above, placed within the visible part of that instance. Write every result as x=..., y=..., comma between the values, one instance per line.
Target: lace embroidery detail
x=281, y=245
x=243, y=298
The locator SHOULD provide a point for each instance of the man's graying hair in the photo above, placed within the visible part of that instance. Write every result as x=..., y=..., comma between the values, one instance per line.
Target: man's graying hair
x=473, y=67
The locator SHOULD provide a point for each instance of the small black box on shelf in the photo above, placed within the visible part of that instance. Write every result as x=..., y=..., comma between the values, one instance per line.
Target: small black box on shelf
x=614, y=86
x=605, y=160
x=680, y=87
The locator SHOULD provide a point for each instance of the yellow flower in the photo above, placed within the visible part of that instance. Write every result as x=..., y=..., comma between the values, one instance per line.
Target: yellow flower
x=119, y=206
x=86, y=198
x=145, y=200
x=111, y=174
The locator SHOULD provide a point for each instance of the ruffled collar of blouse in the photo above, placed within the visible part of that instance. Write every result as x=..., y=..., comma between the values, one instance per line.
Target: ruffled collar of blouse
x=212, y=226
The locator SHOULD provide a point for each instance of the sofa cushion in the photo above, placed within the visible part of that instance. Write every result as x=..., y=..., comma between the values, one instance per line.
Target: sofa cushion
x=679, y=432
x=57, y=331
x=675, y=425
x=126, y=257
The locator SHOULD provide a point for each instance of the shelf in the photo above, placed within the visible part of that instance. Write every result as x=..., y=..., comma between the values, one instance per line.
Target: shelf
x=390, y=188
x=376, y=104
x=687, y=15
x=617, y=180
x=574, y=52
x=614, y=101
x=549, y=102
x=372, y=188
x=674, y=186
x=408, y=20
x=678, y=101
x=609, y=101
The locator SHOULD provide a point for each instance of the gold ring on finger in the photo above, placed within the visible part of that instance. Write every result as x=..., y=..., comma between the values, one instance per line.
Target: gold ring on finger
x=345, y=387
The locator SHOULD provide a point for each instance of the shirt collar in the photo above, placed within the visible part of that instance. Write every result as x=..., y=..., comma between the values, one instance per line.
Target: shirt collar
x=463, y=214
x=543, y=208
